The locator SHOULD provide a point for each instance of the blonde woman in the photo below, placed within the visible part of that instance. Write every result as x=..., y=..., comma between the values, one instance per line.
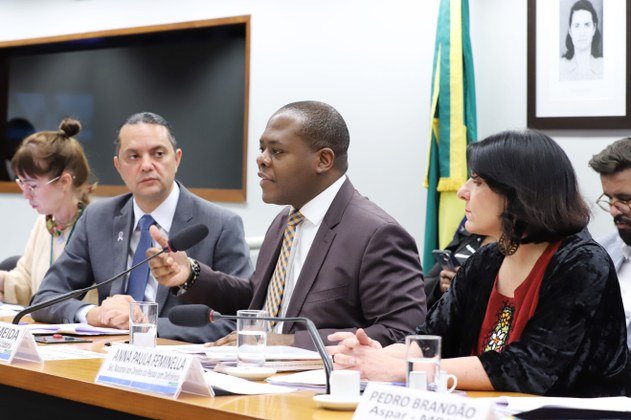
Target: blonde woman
x=52, y=171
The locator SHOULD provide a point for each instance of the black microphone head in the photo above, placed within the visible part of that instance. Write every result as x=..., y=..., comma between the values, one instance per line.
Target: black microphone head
x=190, y=315
x=187, y=237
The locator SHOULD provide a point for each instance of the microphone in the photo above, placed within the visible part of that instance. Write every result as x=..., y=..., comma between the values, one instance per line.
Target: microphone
x=181, y=241
x=201, y=315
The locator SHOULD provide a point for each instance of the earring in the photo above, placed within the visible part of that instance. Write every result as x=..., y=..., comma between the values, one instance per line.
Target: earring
x=506, y=245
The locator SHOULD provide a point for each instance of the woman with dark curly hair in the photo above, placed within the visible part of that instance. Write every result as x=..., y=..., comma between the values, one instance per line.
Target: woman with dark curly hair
x=539, y=311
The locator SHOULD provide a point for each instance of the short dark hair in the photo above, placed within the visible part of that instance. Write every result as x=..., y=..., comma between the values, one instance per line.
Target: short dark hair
x=543, y=202
x=614, y=158
x=145, y=118
x=569, y=45
x=322, y=126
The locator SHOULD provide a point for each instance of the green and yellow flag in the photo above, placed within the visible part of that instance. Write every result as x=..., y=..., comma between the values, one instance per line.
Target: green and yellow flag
x=453, y=125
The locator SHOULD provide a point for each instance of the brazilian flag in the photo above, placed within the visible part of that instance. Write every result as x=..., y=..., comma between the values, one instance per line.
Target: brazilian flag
x=453, y=125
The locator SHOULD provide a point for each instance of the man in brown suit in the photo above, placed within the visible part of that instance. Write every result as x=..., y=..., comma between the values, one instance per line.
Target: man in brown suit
x=343, y=262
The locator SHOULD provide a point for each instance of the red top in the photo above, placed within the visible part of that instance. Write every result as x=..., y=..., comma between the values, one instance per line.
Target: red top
x=506, y=317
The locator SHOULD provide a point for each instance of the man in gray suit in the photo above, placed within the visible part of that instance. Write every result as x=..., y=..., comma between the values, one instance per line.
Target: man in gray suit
x=332, y=255
x=614, y=166
x=108, y=236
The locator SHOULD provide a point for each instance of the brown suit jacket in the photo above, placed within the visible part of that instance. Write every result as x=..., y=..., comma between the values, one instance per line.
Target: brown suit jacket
x=362, y=271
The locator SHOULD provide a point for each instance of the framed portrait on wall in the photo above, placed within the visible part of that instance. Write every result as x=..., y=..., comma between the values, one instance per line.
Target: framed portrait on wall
x=578, y=64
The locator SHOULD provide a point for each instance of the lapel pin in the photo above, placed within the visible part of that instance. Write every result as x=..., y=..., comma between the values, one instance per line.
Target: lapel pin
x=120, y=236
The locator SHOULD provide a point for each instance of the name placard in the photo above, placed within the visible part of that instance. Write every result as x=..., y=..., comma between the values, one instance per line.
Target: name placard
x=17, y=343
x=155, y=371
x=397, y=403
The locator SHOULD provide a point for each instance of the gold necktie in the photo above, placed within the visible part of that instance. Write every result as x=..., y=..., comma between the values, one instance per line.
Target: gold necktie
x=276, y=287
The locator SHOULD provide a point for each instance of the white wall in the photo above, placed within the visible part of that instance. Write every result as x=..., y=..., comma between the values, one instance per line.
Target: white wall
x=370, y=59
x=498, y=32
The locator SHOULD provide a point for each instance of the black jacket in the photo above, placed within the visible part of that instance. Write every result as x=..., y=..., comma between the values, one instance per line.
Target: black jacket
x=574, y=344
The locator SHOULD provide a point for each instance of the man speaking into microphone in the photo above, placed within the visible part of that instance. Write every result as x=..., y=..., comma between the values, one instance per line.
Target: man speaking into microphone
x=332, y=256
x=113, y=235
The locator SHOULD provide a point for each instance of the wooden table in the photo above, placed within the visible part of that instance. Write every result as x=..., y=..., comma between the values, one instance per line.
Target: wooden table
x=73, y=381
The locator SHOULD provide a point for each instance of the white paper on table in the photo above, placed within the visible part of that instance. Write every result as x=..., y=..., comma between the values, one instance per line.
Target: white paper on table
x=521, y=404
x=62, y=352
x=7, y=309
x=308, y=378
x=242, y=386
x=77, y=329
x=185, y=348
x=226, y=353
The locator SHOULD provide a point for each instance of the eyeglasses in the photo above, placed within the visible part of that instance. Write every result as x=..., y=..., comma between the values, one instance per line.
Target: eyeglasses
x=30, y=187
x=606, y=204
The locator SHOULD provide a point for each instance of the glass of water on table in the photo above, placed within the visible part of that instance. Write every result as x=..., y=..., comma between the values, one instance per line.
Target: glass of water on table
x=423, y=361
x=251, y=338
x=143, y=324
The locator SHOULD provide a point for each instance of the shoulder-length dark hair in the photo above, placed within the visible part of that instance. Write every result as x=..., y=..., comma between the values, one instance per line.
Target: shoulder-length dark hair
x=535, y=176
x=569, y=45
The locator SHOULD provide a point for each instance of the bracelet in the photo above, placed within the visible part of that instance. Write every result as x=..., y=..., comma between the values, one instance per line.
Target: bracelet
x=195, y=270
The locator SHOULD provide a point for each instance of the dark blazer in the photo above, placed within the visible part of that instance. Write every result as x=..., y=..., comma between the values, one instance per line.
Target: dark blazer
x=362, y=271
x=575, y=343
x=99, y=249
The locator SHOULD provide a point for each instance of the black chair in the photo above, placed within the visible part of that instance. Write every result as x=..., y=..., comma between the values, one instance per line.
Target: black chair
x=9, y=263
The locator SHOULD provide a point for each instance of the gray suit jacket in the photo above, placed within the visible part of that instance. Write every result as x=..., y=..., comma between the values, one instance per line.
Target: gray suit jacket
x=99, y=248
x=362, y=271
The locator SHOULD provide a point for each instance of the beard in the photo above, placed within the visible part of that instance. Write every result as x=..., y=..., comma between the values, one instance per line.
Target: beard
x=624, y=232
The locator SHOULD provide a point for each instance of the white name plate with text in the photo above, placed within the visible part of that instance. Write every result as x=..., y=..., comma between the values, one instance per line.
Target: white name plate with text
x=16, y=342
x=380, y=402
x=157, y=371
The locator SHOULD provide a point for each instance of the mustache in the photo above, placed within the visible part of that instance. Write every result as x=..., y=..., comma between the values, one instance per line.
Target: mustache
x=622, y=219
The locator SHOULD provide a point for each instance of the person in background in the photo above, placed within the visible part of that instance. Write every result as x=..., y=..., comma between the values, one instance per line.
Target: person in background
x=16, y=130
x=463, y=245
x=614, y=166
x=539, y=311
x=330, y=255
x=53, y=173
x=114, y=232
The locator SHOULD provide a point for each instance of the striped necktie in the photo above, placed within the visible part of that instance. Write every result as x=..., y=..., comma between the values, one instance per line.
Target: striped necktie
x=276, y=287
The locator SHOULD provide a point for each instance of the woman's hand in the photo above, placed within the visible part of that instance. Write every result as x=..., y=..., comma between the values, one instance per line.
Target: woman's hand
x=360, y=352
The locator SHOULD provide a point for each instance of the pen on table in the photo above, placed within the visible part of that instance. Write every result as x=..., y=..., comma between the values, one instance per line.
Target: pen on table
x=109, y=343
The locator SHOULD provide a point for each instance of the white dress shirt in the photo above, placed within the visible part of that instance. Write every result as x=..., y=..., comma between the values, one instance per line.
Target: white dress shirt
x=624, y=278
x=163, y=215
x=313, y=212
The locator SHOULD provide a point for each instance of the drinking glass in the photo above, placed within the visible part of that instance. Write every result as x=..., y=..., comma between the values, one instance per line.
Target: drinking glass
x=251, y=338
x=423, y=354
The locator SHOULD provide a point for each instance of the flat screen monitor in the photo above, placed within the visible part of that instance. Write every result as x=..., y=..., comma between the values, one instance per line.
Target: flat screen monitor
x=194, y=75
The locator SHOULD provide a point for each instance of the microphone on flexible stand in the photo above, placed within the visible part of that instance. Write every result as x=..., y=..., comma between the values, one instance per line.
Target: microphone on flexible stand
x=201, y=315
x=181, y=241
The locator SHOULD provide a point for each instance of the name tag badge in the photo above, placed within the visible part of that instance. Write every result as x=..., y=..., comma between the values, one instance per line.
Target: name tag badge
x=16, y=342
x=380, y=402
x=153, y=370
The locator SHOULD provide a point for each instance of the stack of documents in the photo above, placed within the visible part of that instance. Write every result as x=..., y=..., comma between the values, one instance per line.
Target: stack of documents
x=281, y=358
x=6, y=309
x=311, y=379
x=76, y=329
x=226, y=384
